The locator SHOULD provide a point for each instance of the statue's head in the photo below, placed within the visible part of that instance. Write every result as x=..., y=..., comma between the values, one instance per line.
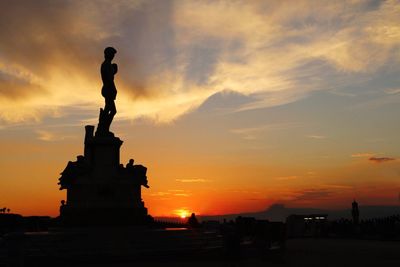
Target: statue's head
x=109, y=53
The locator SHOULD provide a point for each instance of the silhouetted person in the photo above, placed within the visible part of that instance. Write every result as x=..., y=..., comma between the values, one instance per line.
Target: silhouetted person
x=355, y=213
x=109, y=91
x=193, y=222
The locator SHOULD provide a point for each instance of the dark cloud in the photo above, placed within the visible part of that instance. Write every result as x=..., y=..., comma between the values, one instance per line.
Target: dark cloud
x=203, y=61
x=35, y=34
x=147, y=39
x=380, y=159
x=38, y=37
x=43, y=37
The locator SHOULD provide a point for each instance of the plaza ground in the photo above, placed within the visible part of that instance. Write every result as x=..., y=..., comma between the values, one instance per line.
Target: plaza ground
x=300, y=252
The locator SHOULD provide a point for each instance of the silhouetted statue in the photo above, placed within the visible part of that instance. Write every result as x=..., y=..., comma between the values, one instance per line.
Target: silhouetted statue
x=137, y=172
x=72, y=171
x=100, y=190
x=129, y=165
x=108, y=91
x=355, y=213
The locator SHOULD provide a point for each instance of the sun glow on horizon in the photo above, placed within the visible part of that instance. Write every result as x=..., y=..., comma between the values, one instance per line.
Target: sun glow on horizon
x=182, y=213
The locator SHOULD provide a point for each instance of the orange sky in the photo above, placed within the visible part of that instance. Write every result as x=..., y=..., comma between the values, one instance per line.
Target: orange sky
x=232, y=106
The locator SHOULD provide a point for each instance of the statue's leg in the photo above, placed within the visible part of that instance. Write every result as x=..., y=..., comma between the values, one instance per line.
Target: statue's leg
x=110, y=112
x=107, y=106
x=103, y=126
x=106, y=116
x=113, y=109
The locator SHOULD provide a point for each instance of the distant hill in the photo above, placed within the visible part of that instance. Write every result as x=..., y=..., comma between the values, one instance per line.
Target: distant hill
x=279, y=212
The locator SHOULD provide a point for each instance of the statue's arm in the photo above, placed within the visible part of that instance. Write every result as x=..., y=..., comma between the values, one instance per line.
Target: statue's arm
x=114, y=68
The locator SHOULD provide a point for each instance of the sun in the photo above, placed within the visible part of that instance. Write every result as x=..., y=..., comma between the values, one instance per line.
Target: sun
x=182, y=213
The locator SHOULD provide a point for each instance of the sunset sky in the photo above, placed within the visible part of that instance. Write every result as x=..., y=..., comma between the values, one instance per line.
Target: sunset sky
x=231, y=105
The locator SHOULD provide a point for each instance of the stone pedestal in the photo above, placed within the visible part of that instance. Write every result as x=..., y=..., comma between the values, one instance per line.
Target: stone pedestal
x=100, y=190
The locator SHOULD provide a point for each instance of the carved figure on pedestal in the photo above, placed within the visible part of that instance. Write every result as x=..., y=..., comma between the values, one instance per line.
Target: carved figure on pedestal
x=72, y=171
x=100, y=190
x=108, y=91
x=137, y=172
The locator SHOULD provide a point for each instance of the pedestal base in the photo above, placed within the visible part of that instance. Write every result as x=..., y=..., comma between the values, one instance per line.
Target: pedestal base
x=104, y=217
x=100, y=190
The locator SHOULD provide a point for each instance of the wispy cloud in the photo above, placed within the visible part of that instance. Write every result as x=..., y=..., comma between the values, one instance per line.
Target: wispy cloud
x=314, y=136
x=336, y=186
x=182, y=195
x=276, y=52
x=45, y=135
x=380, y=159
x=179, y=192
x=172, y=192
x=193, y=180
x=284, y=178
x=392, y=91
x=362, y=155
x=50, y=136
x=253, y=133
x=313, y=194
x=161, y=194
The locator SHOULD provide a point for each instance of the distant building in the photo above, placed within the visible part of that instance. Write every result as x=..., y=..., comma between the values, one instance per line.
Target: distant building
x=311, y=225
